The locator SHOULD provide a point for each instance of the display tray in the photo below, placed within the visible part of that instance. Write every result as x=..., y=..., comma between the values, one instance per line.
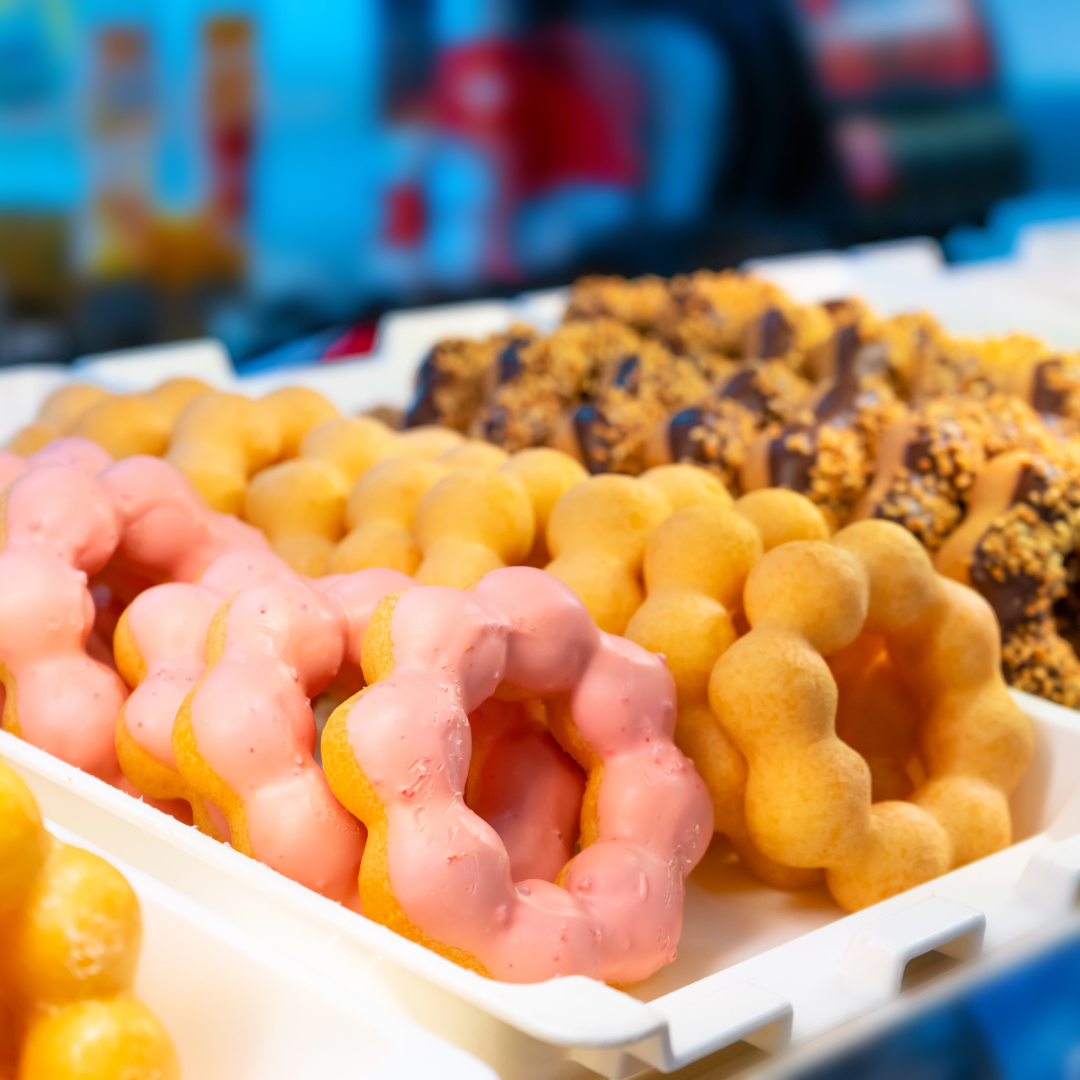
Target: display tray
x=754, y=965
x=757, y=969
x=238, y=1009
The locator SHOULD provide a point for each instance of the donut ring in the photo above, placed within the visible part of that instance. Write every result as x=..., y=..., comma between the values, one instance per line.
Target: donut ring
x=57, y=527
x=244, y=737
x=397, y=755
x=696, y=564
x=808, y=794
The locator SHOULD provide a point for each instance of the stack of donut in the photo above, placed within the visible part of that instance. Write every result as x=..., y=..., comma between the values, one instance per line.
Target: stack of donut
x=500, y=698
x=70, y=932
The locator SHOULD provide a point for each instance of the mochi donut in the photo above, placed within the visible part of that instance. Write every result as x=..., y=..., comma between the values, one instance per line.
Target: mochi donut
x=696, y=563
x=597, y=532
x=382, y=508
x=160, y=650
x=301, y=505
x=57, y=413
x=70, y=935
x=221, y=440
x=129, y=424
x=398, y=756
x=59, y=526
x=244, y=736
x=808, y=798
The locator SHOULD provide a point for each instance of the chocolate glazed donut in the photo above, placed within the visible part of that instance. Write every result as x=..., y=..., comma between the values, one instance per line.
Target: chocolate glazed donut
x=716, y=433
x=793, y=456
x=1017, y=548
x=589, y=436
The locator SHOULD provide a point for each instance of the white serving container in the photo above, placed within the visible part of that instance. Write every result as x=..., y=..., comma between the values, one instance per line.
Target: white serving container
x=755, y=965
x=238, y=1009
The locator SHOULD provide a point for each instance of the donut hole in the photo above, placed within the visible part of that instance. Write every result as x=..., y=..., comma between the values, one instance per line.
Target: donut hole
x=525, y=786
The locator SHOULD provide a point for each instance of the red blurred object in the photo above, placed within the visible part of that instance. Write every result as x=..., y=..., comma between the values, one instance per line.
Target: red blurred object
x=865, y=160
x=554, y=109
x=358, y=340
x=863, y=48
x=406, y=215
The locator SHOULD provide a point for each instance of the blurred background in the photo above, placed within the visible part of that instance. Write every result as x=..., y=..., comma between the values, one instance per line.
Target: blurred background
x=266, y=169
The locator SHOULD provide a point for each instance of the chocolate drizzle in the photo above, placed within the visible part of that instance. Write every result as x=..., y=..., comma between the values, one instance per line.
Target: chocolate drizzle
x=743, y=388
x=792, y=453
x=769, y=336
x=1046, y=398
x=628, y=376
x=508, y=365
x=1011, y=599
x=684, y=447
x=423, y=409
x=588, y=440
x=789, y=465
x=1014, y=598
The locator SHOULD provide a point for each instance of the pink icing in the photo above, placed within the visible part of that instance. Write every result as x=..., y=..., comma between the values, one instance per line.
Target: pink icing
x=620, y=915
x=525, y=787
x=166, y=525
x=11, y=465
x=253, y=724
x=71, y=453
x=61, y=526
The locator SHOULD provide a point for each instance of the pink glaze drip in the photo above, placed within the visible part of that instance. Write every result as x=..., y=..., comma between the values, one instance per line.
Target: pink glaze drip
x=253, y=724
x=64, y=524
x=525, y=787
x=165, y=523
x=72, y=453
x=11, y=465
x=60, y=527
x=620, y=915
x=168, y=625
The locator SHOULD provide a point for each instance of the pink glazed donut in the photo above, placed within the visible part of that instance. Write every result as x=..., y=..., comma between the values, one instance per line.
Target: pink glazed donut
x=160, y=650
x=397, y=755
x=71, y=453
x=58, y=526
x=244, y=737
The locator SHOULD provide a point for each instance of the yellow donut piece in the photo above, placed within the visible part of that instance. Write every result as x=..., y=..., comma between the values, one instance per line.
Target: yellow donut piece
x=23, y=842
x=687, y=485
x=428, y=441
x=809, y=794
x=781, y=515
x=78, y=935
x=380, y=512
x=99, y=1040
x=58, y=412
x=298, y=411
x=547, y=475
x=219, y=441
x=597, y=534
x=471, y=522
x=70, y=932
x=696, y=564
x=128, y=424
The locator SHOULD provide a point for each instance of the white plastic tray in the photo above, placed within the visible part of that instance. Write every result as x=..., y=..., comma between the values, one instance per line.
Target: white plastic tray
x=237, y=1009
x=754, y=964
